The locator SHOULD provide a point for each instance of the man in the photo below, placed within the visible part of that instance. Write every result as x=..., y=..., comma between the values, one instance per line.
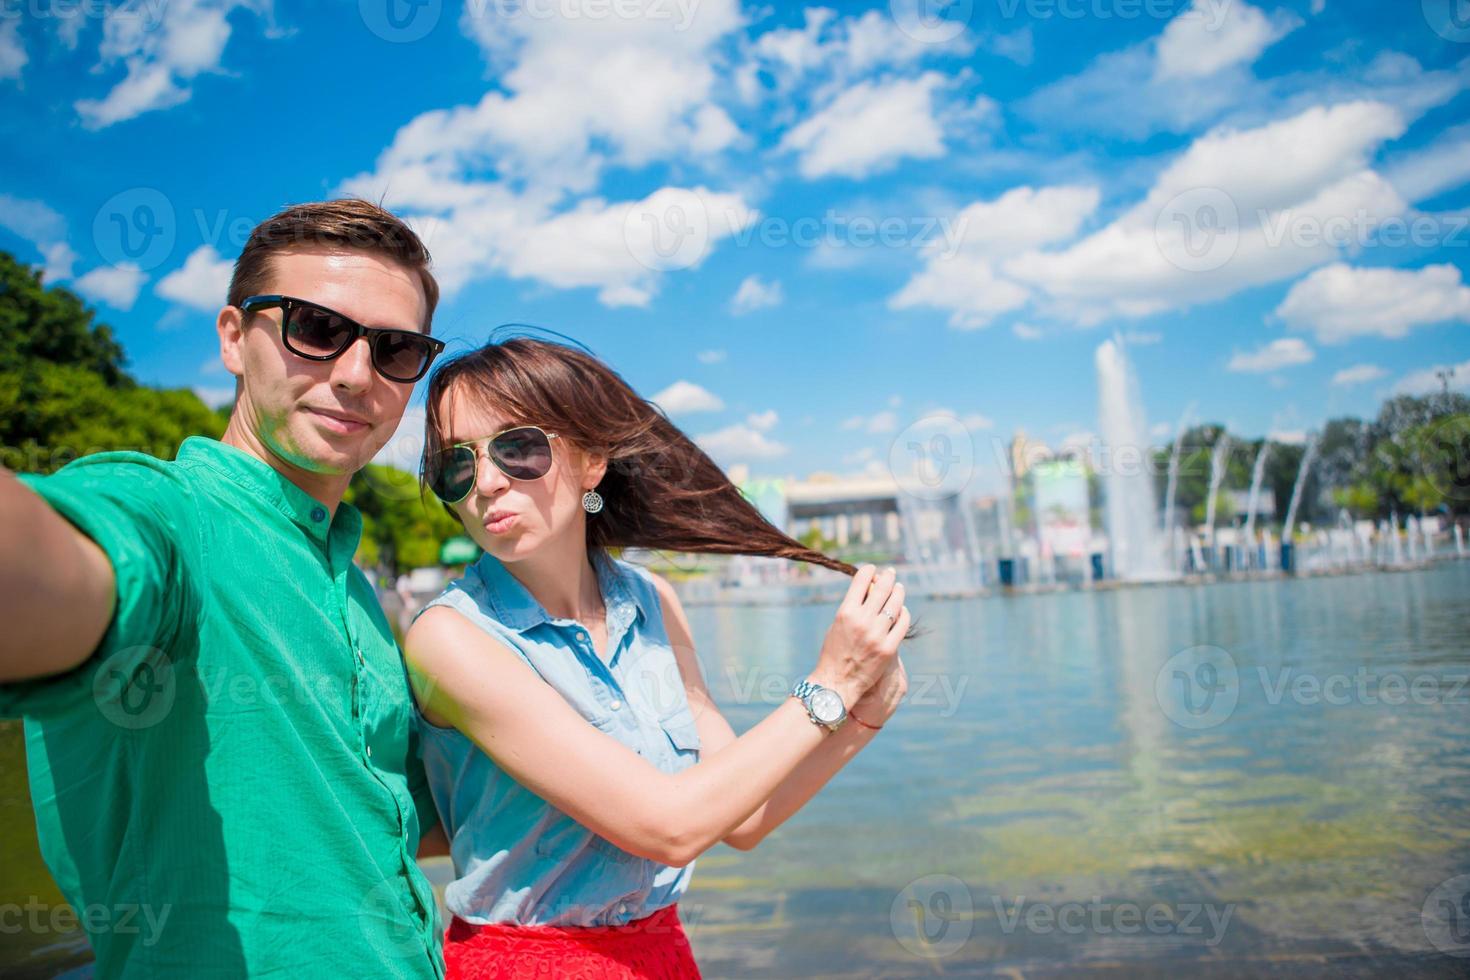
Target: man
x=218, y=723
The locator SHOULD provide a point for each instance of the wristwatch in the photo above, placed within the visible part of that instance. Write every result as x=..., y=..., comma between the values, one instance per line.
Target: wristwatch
x=823, y=705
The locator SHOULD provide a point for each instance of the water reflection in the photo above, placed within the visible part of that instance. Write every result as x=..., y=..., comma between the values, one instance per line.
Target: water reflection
x=1036, y=822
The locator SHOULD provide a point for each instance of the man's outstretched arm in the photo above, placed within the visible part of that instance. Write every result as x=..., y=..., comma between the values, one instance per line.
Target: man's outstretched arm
x=56, y=587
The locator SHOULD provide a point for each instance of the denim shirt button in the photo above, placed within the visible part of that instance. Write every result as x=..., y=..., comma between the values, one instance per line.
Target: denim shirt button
x=318, y=514
x=616, y=705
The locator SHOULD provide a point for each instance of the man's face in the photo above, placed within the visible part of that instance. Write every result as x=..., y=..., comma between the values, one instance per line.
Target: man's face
x=324, y=417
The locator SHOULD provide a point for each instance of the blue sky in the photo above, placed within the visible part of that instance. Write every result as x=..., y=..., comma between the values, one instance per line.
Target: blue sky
x=802, y=229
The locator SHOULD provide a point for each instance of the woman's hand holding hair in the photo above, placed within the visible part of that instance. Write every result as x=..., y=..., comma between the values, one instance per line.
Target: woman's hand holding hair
x=862, y=643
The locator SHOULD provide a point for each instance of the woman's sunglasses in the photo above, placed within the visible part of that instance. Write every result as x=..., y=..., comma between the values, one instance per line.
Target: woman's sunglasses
x=316, y=333
x=522, y=453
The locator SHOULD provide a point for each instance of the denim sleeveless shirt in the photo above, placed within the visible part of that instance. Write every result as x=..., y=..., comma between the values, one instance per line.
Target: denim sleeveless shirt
x=517, y=858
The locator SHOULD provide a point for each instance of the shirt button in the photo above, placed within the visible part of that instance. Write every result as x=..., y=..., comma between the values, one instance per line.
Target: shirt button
x=616, y=705
x=622, y=908
x=369, y=751
x=582, y=636
x=318, y=514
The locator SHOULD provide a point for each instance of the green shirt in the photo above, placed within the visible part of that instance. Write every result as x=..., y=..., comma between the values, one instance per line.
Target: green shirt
x=234, y=771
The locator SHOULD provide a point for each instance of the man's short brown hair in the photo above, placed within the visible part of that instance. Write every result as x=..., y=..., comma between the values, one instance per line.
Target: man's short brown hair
x=343, y=223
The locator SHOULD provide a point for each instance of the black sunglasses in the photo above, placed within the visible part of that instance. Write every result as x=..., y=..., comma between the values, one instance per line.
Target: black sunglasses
x=316, y=333
x=522, y=453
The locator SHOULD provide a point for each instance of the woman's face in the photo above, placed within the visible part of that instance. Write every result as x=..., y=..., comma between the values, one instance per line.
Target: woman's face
x=509, y=518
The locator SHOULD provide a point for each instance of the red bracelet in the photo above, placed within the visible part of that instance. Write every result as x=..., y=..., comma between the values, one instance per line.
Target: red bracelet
x=863, y=723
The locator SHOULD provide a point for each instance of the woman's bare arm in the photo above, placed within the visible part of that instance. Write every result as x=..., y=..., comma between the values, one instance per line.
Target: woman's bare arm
x=464, y=676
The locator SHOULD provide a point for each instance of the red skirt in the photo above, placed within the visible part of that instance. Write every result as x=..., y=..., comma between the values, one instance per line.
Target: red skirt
x=651, y=948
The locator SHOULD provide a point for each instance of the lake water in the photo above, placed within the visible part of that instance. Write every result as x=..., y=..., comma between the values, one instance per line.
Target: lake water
x=1243, y=778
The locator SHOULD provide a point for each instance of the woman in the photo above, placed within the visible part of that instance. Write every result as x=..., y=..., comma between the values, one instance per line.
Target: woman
x=574, y=753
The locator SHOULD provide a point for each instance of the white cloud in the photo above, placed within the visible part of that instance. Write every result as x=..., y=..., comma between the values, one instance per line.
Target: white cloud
x=621, y=248
x=754, y=293
x=711, y=356
x=1026, y=331
x=1428, y=381
x=1260, y=187
x=1290, y=437
x=1210, y=36
x=60, y=259
x=162, y=58
x=1142, y=338
x=115, y=285
x=13, y=57
x=868, y=128
x=878, y=423
x=762, y=421
x=964, y=280
x=1357, y=374
x=1341, y=302
x=35, y=221
x=686, y=397
x=221, y=397
x=1133, y=93
x=739, y=442
x=1285, y=352
x=202, y=283
x=1443, y=165
x=544, y=125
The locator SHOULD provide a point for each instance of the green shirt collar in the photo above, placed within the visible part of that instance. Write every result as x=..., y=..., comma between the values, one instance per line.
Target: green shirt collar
x=268, y=484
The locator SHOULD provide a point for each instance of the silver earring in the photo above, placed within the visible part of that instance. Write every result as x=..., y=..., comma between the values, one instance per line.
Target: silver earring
x=592, y=501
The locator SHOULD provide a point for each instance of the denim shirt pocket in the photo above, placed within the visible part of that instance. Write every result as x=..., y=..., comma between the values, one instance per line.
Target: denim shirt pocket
x=683, y=734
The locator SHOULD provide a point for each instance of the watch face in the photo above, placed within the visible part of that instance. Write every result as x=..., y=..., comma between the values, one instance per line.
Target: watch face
x=827, y=706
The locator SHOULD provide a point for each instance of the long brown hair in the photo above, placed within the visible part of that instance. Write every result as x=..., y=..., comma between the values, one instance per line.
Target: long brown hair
x=661, y=491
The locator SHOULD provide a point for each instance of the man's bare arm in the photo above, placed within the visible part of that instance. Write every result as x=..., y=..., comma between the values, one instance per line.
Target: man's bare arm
x=56, y=587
